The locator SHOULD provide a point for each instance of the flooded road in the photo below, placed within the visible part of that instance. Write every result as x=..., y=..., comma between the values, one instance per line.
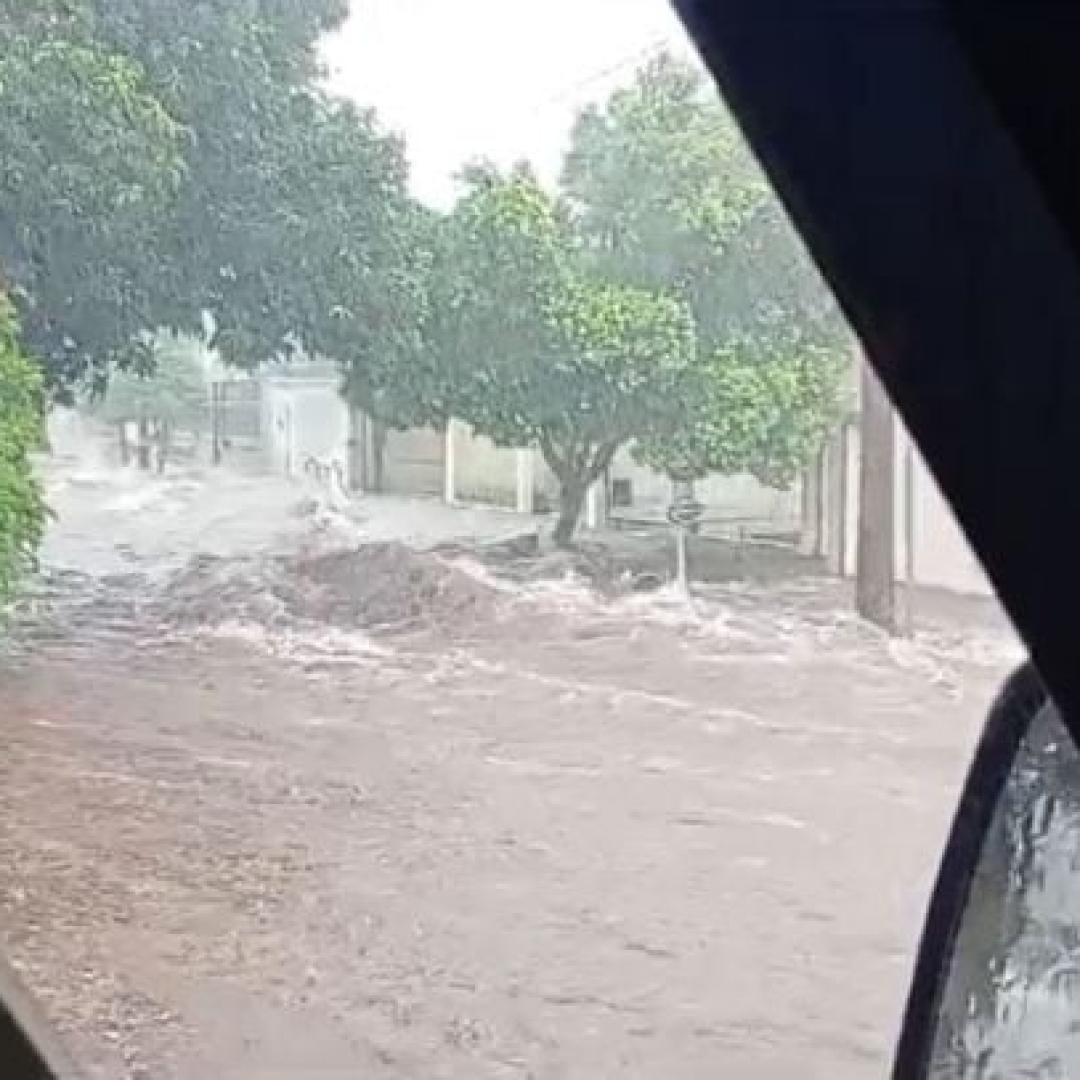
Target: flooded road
x=543, y=836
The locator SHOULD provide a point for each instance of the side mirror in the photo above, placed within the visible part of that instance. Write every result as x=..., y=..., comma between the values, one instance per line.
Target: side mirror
x=996, y=992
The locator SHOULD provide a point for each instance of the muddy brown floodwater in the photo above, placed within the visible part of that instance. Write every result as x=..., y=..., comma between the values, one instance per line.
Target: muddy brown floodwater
x=586, y=839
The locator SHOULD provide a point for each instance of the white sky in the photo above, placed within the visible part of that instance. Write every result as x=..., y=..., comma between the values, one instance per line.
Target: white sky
x=493, y=78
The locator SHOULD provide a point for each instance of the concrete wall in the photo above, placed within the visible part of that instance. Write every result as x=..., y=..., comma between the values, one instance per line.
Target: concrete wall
x=499, y=475
x=302, y=418
x=734, y=498
x=415, y=462
x=484, y=472
x=940, y=552
x=930, y=548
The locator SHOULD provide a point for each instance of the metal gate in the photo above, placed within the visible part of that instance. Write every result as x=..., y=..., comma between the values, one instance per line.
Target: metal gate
x=236, y=420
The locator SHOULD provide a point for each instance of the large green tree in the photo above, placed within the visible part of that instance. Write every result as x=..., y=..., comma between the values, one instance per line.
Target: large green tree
x=89, y=162
x=293, y=224
x=757, y=404
x=668, y=197
x=202, y=167
x=236, y=74
x=531, y=348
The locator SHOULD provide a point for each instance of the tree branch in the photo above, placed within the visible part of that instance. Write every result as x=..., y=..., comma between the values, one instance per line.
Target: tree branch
x=602, y=459
x=557, y=464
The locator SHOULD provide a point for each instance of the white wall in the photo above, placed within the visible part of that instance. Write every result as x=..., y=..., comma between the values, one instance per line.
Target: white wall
x=735, y=498
x=483, y=472
x=486, y=473
x=939, y=556
x=415, y=462
x=303, y=418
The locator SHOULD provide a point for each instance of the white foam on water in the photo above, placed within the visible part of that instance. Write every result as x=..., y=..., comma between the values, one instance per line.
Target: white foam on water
x=111, y=521
x=302, y=646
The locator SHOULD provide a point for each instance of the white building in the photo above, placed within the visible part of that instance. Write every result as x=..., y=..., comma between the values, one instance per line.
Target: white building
x=304, y=416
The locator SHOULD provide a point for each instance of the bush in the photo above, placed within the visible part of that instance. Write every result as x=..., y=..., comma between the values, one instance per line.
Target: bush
x=22, y=509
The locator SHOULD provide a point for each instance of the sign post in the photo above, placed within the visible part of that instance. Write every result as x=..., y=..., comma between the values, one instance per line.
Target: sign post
x=684, y=513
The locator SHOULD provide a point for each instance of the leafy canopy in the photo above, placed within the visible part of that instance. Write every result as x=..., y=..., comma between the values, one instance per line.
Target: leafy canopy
x=22, y=509
x=203, y=169
x=533, y=348
x=292, y=225
x=667, y=195
x=174, y=390
x=89, y=161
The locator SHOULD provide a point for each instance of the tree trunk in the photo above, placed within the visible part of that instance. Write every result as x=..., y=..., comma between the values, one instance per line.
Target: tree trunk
x=875, y=574
x=571, y=501
x=577, y=469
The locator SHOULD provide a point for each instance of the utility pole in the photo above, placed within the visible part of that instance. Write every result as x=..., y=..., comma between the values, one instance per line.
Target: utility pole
x=875, y=572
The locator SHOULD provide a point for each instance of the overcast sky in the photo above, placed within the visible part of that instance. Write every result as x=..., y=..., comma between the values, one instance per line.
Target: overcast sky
x=493, y=78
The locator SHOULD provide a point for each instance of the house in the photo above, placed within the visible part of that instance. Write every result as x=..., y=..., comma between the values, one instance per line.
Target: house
x=304, y=416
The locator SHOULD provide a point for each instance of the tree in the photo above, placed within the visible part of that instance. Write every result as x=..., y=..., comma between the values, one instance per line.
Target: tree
x=530, y=348
x=669, y=197
x=757, y=405
x=292, y=226
x=22, y=509
x=90, y=161
x=172, y=391
x=662, y=183
x=216, y=175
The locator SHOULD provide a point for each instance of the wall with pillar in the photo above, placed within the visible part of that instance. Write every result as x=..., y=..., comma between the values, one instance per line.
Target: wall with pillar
x=930, y=548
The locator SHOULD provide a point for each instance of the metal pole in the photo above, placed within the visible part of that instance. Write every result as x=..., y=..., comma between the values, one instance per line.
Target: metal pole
x=685, y=511
x=682, y=579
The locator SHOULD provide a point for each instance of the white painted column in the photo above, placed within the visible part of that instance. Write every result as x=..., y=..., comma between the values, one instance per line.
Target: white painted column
x=593, y=505
x=450, y=479
x=524, y=499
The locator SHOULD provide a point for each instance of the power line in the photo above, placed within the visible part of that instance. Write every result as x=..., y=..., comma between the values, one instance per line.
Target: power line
x=635, y=59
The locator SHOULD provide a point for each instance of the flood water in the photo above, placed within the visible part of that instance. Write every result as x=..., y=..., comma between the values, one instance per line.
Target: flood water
x=284, y=812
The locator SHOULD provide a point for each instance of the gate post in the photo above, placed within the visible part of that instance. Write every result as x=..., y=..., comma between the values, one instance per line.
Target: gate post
x=449, y=478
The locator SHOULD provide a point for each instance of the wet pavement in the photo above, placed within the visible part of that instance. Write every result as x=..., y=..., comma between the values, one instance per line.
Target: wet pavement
x=562, y=838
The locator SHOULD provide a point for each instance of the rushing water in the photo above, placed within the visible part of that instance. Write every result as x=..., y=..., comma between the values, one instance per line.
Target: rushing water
x=296, y=789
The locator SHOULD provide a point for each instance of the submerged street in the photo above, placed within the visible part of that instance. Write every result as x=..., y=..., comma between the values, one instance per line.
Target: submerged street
x=257, y=822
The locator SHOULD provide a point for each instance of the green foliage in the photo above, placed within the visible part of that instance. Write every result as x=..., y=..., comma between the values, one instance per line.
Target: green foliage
x=757, y=404
x=391, y=372
x=668, y=196
x=293, y=224
x=90, y=160
x=173, y=390
x=22, y=510
x=165, y=159
x=662, y=182
x=534, y=350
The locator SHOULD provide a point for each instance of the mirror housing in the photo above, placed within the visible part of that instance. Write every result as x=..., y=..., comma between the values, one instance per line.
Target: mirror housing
x=996, y=988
